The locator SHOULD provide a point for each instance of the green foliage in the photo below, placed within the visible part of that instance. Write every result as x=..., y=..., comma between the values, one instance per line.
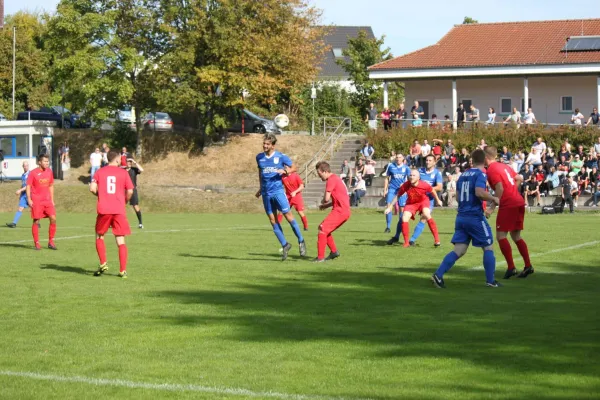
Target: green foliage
x=400, y=140
x=469, y=20
x=121, y=136
x=331, y=101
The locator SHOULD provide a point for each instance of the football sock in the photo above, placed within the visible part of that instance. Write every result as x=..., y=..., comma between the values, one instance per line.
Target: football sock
x=279, y=218
x=101, y=250
x=507, y=252
x=17, y=217
x=418, y=230
x=434, y=230
x=279, y=233
x=331, y=244
x=447, y=263
x=51, y=232
x=489, y=264
x=139, y=215
x=399, y=227
x=522, y=246
x=35, y=231
x=122, y=257
x=304, y=222
x=321, y=244
x=388, y=220
x=405, y=228
x=296, y=229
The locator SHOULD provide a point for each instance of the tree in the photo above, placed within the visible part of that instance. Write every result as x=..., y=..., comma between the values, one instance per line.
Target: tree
x=469, y=20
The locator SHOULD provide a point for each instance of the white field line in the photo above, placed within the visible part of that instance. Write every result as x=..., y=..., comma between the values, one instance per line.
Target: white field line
x=241, y=228
x=171, y=387
x=560, y=250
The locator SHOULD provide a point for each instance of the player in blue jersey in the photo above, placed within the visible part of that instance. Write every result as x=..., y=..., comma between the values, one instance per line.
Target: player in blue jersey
x=431, y=175
x=471, y=225
x=22, y=196
x=396, y=174
x=271, y=166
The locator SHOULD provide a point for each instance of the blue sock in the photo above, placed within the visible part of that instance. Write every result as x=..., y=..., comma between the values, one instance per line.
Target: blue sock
x=388, y=220
x=489, y=263
x=279, y=234
x=446, y=264
x=17, y=216
x=399, y=227
x=296, y=229
x=418, y=230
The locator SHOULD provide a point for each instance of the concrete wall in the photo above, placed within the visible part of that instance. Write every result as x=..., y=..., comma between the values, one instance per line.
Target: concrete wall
x=545, y=94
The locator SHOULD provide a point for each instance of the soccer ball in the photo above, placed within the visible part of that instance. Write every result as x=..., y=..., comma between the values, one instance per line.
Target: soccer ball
x=281, y=121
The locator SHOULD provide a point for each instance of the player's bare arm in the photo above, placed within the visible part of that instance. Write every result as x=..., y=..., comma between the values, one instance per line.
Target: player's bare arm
x=138, y=166
x=300, y=189
x=28, y=190
x=326, y=203
x=260, y=185
x=486, y=196
x=51, y=190
x=94, y=188
x=128, y=195
x=386, y=184
x=437, y=199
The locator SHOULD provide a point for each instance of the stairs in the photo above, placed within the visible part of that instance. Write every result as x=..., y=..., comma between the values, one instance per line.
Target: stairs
x=347, y=150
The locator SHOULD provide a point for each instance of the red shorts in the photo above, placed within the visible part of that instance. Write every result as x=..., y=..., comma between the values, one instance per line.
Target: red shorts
x=510, y=219
x=416, y=208
x=42, y=210
x=118, y=222
x=334, y=220
x=297, y=202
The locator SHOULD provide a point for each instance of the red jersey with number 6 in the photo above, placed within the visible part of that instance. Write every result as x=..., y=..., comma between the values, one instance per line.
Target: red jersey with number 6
x=113, y=183
x=502, y=173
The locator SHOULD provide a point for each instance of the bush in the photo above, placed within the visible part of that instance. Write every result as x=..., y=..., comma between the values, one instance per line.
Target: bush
x=399, y=140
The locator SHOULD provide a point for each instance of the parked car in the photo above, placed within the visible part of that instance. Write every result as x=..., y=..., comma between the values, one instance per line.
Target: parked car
x=252, y=123
x=77, y=121
x=124, y=115
x=3, y=118
x=64, y=118
x=159, y=121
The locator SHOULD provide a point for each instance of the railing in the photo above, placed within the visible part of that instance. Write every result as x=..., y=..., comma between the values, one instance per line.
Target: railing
x=448, y=124
x=343, y=126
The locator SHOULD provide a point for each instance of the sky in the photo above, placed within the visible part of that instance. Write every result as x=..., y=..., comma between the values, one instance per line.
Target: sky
x=409, y=26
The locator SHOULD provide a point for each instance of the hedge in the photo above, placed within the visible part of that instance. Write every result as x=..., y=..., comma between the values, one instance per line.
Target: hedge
x=399, y=140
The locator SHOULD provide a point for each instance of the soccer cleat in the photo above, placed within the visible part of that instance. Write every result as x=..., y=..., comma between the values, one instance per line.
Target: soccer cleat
x=141, y=226
x=302, y=246
x=526, y=271
x=393, y=240
x=52, y=246
x=387, y=230
x=510, y=273
x=436, y=245
x=318, y=260
x=493, y=284
x=285, y=251
x=37, y=246
x=406, y=245
x=411, y=244
x=305, y=229
x=101, y=269
x=11, y=225
x=438, y=282
x=333, y=256
x=123, y=274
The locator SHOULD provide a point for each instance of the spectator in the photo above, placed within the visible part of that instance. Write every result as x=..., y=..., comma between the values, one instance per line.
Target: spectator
x=576, y=165
x=540, y=176
x=552, y=180
x=414, y=159
x=532, y=189
x=359, y=169
x=63, y=152
x=594, y=119
x=529, y=117
x=567, y=193
x=550, y=158
x=513, y=164
x=452, y=161
x=367, y=151
x=105, y=150
x=514, y=118
x=464, y=159
x=435, y=122
x=437, y=150
x=371, y=118
x=594, y=179
x=401, y=116
x=541, y=147
x=124, y=157
x=425, y=151
x=461, y=115
x=386, y=116
x=369, y=172
x=474, y=116
x=447, y=123
x=567, y=145
x=580, y=152
x=345, y=172
x=358, y=191
x=597, y=146
x=574, y=189
x=583, y=179
x=505, y=155
x=95, y=161
x=451, y=186
x=565, y=152
x=491, y=116
x=520, y=158
x=534, y=158
x=417, y=114
x=448, y=149
x=563, y=166
x=577, y=119
x=482, y=144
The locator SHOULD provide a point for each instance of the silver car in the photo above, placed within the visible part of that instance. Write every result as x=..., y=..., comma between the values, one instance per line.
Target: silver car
x=159, y=121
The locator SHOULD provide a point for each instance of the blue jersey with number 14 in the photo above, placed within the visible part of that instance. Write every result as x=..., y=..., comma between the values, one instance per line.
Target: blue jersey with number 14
x=398, y=175
x=469, y=205
x=270, y=179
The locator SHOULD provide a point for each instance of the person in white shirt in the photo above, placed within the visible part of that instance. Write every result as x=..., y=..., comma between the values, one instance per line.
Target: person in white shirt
x=540, y=146
x=577, y=117
x=514, y=118
x=474, y=114
x=529, y=117
x=534, y=159
x=491, y=117
x=358, y=191
x=96, y=161
x=597, y=146
x=425, y=148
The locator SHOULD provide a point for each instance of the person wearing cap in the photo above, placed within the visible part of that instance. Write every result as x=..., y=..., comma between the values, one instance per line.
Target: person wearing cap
x=594, y=118
x=576, y=164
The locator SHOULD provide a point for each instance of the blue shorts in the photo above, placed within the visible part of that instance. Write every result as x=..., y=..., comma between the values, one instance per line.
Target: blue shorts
x=475, y=229
x=23, y=202
x=276, y=202
x=390, y=195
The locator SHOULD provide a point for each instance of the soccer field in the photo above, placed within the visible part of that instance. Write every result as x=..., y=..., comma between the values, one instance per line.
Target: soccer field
x=210, y=312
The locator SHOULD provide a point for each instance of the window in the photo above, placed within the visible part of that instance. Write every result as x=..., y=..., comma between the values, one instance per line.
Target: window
x=505, y=105
x=337, y=53
x=6, y=145
x=566, y=104
x=467, y=103
x=523, y=104
x=22, y=146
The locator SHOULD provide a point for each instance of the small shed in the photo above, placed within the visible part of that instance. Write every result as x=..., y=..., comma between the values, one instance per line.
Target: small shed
x=23, y=141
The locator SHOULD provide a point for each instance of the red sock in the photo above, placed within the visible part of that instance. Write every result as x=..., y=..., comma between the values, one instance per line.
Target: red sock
x=305, y=222
x=405, y=229
x=35, y=231
x=321, y=244
x=122, y=257
x=51, y=232
x=279, y=218
x=101, y=250
x=433, y=227
x=507, y=252
x=522, y=246
x=331, y=244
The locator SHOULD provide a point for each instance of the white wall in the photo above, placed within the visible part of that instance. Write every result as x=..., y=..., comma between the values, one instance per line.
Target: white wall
x=544, y=92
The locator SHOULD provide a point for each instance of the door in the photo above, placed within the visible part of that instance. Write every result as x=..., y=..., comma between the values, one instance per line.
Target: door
x=442, y=107
x=425, y=105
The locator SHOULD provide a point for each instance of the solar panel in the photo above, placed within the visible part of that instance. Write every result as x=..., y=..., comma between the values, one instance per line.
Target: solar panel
x=582, y=43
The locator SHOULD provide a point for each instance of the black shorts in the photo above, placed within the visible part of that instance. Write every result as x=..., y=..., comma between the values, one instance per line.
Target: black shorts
x=134, y=201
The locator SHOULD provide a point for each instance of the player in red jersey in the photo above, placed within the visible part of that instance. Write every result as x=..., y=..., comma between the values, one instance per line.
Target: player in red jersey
x=336, y=196
x=293, y=190
x=40, y=196
x=114, y=189
x=511, y=212
x=417, y=202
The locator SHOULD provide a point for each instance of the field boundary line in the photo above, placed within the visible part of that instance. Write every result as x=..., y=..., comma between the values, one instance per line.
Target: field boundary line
x=171, y=387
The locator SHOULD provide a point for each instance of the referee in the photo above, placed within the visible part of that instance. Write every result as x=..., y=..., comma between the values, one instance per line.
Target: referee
x=134, y=169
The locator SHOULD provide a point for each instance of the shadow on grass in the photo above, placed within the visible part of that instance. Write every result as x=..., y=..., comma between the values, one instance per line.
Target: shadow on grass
x=66, y=268
x=17, y=245
x=223, y=257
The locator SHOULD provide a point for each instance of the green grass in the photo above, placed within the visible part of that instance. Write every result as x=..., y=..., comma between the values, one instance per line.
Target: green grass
x=212, y=305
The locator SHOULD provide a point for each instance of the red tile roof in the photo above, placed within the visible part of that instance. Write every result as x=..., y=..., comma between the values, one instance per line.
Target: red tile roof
x=502, y=44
